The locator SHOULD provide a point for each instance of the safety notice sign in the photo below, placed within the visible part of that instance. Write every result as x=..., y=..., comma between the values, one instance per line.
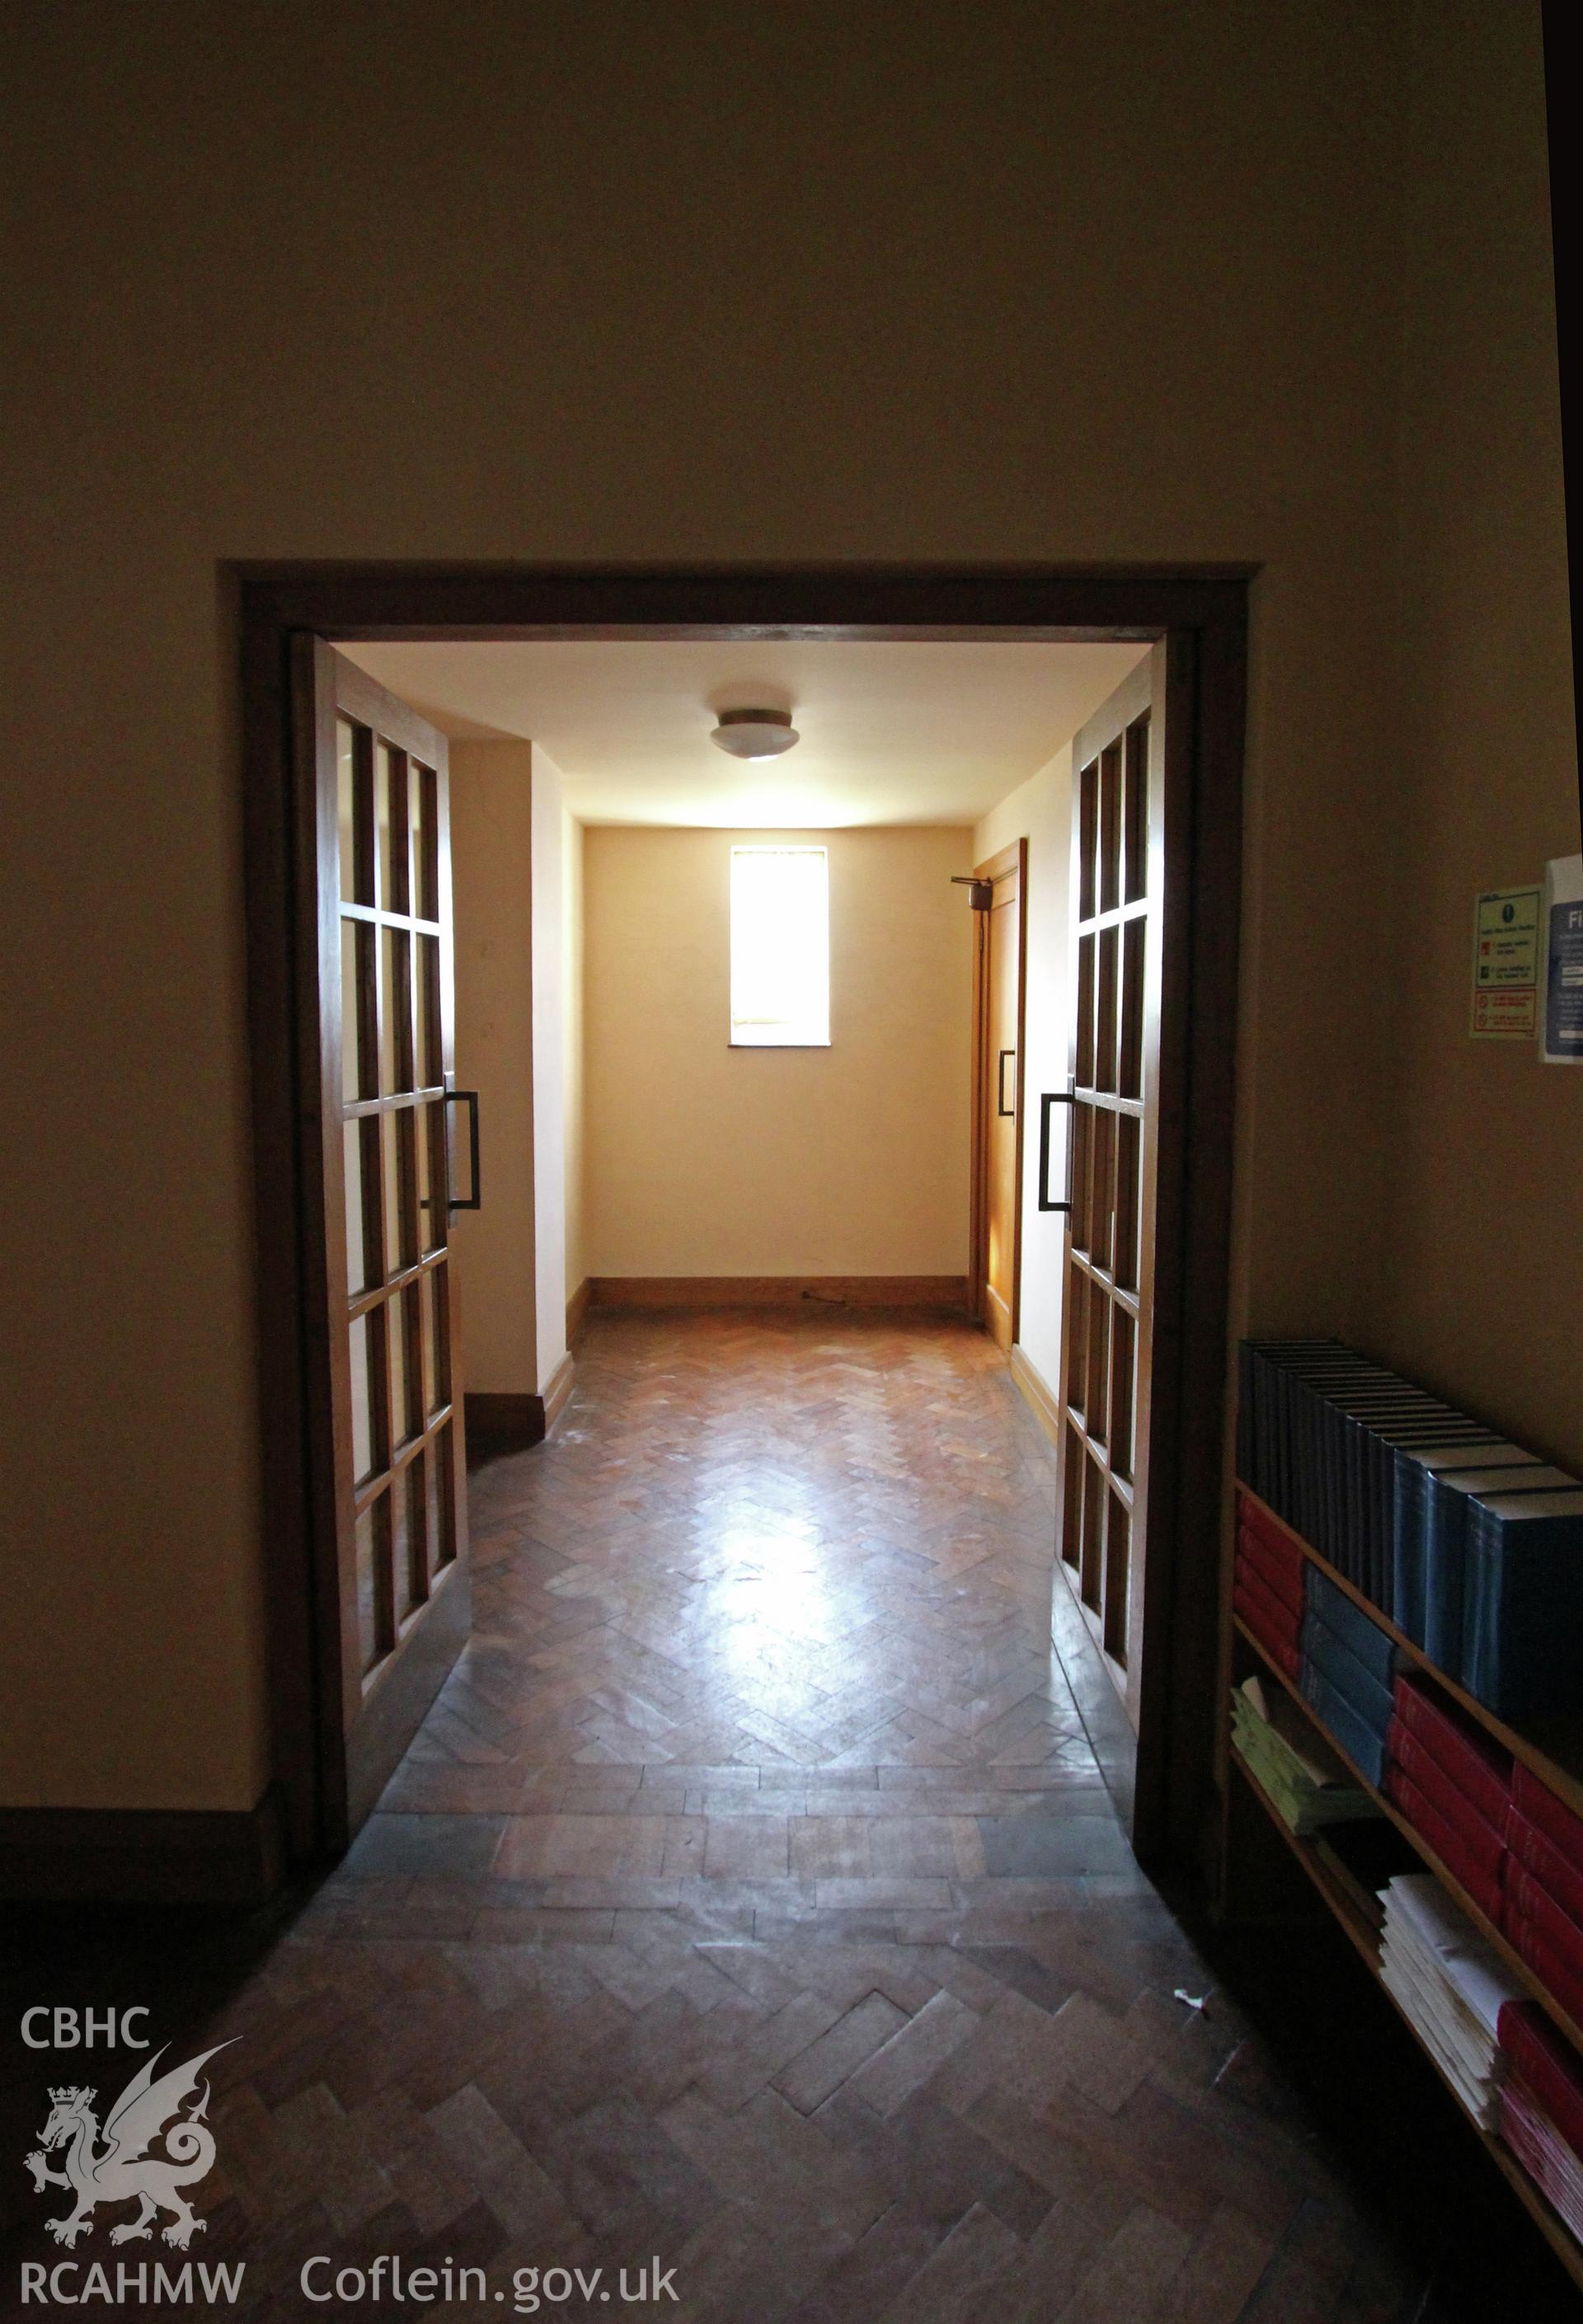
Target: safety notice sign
x=1505, y=964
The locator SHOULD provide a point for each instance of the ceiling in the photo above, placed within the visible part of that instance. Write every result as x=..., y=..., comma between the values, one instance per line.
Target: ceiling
x=892, y=732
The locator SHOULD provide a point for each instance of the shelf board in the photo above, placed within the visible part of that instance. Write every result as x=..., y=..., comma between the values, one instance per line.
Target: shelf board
x=1367, y=1940
x=1493, y=1936
x=1557, y=1759
x=1366, y=1943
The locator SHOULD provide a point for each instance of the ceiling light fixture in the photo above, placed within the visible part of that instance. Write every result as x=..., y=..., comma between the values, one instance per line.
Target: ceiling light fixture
x=755, y=733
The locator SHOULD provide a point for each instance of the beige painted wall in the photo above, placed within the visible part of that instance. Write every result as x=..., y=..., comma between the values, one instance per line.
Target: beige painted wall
x=1483, y=1285
x=519, y=318
x=709, y=1160
x=491, y=841
x=1039, y=811
x=551, y=1001
x=515, y=996
x=577, y=1266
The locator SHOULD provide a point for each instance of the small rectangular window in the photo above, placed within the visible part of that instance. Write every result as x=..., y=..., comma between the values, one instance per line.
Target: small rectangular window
x=780, y=947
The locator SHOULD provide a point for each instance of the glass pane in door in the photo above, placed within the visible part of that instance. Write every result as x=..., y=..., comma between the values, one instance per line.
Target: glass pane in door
x=420, y=809
x=441, y=1465
x=431, y=1050
x=366, y=1552
x=391, y=885
x=390, y=1173
x=346, y=810
x=368, y=1400
x=355, y=940
x=357, y=1241
x=400, y=1391
x=410, y=1571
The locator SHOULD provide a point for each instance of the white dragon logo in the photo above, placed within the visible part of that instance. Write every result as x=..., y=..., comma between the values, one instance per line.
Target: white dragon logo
x=125, y=2172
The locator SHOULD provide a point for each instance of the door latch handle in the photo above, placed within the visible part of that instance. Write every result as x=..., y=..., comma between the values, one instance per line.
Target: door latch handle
x=1001, y=1106
x=469, y=1098
x=1052, y=1098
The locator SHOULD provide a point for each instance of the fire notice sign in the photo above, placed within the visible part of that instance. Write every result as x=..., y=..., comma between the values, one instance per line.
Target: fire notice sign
x=1505, y=965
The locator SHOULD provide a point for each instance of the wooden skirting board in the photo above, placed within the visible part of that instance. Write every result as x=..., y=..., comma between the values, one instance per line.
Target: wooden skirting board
x=939, y=1291
x=143, y=1856
x=499, y=1423
x=1037, y=1394
x=558, y=1393
x=577, y=1308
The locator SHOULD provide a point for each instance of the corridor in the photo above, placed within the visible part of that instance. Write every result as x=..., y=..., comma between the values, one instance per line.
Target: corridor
x=753, y=1901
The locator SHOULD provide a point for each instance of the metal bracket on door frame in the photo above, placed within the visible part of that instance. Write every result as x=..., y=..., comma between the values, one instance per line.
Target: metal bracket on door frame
x=1051, y=1098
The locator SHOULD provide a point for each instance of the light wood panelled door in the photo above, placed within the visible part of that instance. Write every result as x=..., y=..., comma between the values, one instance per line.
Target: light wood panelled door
x=997, y=1141
x=1117, y=889
x=393, y=1474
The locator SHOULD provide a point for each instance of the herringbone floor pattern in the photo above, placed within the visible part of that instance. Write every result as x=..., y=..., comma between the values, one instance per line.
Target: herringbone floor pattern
x=752, y=1899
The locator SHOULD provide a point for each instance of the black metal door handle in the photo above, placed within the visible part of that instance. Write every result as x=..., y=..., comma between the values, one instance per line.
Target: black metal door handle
x=1001, y=1106
x=1052, y=1098
x=469, y=1098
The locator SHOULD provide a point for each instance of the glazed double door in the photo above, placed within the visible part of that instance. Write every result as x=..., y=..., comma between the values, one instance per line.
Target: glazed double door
x=391, y=1470
x=1116, y=897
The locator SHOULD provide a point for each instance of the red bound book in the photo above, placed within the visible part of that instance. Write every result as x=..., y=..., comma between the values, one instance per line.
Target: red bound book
x=1269, y=1624
x=1536, y=2143
x=1265, y=1616
x=1539, y=1804
x=1280, y=1597
x=1558, y=1975
x=1481, y=1882
x=1280, y=1580
x=1547, y=2061
x=1485, y=1842
x=1552, y=1870
x=1479, y=1768
x=1533, y=1901
x=1270, y=1535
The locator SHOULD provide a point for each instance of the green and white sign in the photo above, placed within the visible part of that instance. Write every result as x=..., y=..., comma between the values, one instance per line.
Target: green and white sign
x=1505, y=964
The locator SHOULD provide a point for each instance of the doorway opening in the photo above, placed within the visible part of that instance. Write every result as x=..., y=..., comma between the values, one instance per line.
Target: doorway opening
x=1000, y=953
x=1193, y=629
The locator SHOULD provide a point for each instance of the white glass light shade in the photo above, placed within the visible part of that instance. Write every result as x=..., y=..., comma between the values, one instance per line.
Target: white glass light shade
x=755, y=733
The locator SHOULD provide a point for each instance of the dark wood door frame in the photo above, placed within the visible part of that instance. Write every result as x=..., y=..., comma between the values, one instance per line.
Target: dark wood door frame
x=1012, y=858
x=1202, y=610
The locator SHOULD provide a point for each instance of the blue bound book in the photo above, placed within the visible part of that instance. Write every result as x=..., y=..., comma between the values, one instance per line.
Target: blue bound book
x=1362, y=1638
x=1350, y=1728
x=1364, y=1692
x=1444, y=1542
x=1371, y=1424
x=1523, y=1613
x=1414, y=1465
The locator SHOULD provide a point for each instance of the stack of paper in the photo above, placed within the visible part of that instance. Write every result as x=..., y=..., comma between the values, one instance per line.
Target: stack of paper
x=1292, y=1764
x=1450, y=1983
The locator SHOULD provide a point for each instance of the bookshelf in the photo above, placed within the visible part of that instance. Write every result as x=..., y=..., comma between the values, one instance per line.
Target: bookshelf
x=1365, y=1941
x=1555, y=1754
x=1557, y=1760
x=1431, y=1863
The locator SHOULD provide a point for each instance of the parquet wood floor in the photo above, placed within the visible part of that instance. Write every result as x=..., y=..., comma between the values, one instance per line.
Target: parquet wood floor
x=753, y=1898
